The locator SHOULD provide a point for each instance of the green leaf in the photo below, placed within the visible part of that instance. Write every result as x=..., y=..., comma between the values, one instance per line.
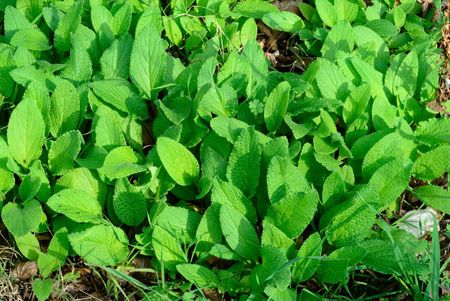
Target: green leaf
x=173, y=31
x=179, y=162
x=67, y=25
x=21, y=220
x=79, y=65
x=64, y=109
x=31, y=39
x=254, y=8
x=403, y=81
x=352, y=220
x=391, y=180
x=434, y=196
x=122, y=19
x=26, y=130
x=327, y=12
x=434, y=131
x=388, y=148
x=107, y=128
x=283, y=214
x=432, y=164
x=42, y=288
x=148, y=61
x=111, y=249
x=28, y=245
x=339, y=40
x=208, y=230
x=244, y=162
x=346, y=9
x=239, y=233
x=308, y=262
x=284, y=179
x=115, y=92
x=276, y=106
x=115, y=61
x=63, y=152
x=76, y=205
x=85, y=180
x=122, y=162
x=181, y=222
x=59, y=246
x=334, y=268
x=225, y=193
x=383, y=27
x=356, y=103
x=255, y=66
x=202, y=277
x=130, y=206
x=331, y=80
x=283, y=21
x=167, y=249
x=274, y=237
x=29, y=187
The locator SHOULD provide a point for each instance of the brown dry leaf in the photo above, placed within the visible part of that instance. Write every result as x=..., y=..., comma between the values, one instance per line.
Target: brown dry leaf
x=289, y=5
x=25, y=270
x=212, y=294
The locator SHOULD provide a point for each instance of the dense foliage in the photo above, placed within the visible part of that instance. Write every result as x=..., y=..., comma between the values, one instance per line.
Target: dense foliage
x=133, y=128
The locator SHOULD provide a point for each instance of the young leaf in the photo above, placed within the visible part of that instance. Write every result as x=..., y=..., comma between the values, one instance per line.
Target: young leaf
x=179, y=162
x=276, y=106
x=239, y=233
x=42, y=288
x=26, y=130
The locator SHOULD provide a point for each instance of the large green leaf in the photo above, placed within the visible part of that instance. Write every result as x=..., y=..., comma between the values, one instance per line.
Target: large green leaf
x=100, y=244
x=26, y=130
x=122, y=162
x=148, y=60
x=179, y=162
x=20, y=220
x=244, y=162
x=432, y=164
x=434, y=196
x=287, y=215
x=167, y=248
x=239, y=233
x=76, y=205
